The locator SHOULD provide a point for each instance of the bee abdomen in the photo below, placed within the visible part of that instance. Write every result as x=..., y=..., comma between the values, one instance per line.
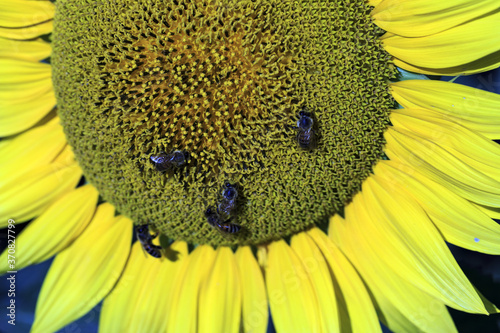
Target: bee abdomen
x=214, y=219
x=145, y=238
x=306, y=139
x=229, y=228
x=153, y=250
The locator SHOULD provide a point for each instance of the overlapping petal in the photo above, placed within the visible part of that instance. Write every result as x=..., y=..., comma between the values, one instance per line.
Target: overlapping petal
x=28, y=32
x=139, y=300
x=293, y=302
x=220, y=295
x=450, y=42
x=356, y=310
x=443, y=167
x=460, y=222
x=184, y=299
x=317, y=270
x=489, y=130
x=404, y=307
x=56, y=228
x=484, y=64
x=494, y=213
x=25, y=19
x=478, y=107
x=28, y=195
x=31, y=150
x=32, y=50
x=22, y=13
x=419, y=18
x=412, y=246
x=255, y=314
x=83, y=274
x=467, y=145
x=26, y=94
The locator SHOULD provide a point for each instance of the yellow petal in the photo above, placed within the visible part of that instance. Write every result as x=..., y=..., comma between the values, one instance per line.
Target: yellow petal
x=457, y=46
x=255, y=307
x=490, y=130
x=404, y=307
x=458, y=220
x=336, y=230
x=293, y=303
x=448, y=98
x=28, y=195
x=484, y=64
x=220, y=295
x=65, y=157
x=412, y=247
x=473, y=149
x=25, y=114
x=494, y=213
x=26, y=94
x=317, y=270
x=56, y=228
x=27, y=32
x=33, y=50
x=21, y=13
x=83, y=274
x=418, y=18
x=442, y=167
x=16, y=72
x=31, y=150
x=156, y=304
x=374, y=3
x=136, y=304
x=117, y=308
x=262, y=256
x=351, y=293
x=184, y=300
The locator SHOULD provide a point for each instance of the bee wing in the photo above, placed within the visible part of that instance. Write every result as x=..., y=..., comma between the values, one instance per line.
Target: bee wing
x=152, y=249
x=160, y=158
x=221, y=207
x=314, y=139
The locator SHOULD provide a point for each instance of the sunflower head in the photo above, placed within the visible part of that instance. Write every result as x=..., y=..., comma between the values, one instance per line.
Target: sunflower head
x=227, y=83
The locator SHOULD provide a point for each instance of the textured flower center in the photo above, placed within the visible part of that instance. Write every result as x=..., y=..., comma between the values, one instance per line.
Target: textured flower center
x=215, y=90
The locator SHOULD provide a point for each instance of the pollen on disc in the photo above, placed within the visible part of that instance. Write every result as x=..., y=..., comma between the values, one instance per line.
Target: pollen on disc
x=223, y=81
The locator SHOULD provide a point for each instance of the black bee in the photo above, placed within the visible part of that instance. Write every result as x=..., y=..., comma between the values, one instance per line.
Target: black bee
x=146, y=239
x=306, y=136
x=229, y=228
x=214, y=220
x=175, y=159
x=228, y=202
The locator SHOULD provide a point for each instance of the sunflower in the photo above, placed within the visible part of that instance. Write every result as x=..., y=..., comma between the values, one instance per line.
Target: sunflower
x=349, y=169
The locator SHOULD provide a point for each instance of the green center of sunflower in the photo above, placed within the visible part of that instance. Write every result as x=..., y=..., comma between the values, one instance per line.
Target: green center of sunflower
x=215, y=90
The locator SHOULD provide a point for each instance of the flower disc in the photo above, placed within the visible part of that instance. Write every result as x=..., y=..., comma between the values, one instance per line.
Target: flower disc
x=223, y=81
